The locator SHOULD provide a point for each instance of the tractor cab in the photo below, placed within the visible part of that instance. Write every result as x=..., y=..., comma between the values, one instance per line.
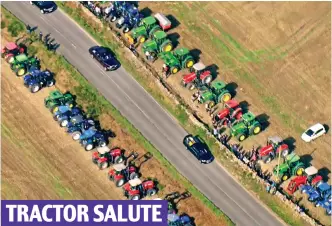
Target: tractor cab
x=119, y=168
x=158, y=43
x=292, y=166
x=217, y=87
x=147, y=26
x=198, y=77
x=198, y=69
x=11, y=49
x=164, y=22
x=274, y=146
x=135, y=184
x=103, y=151
x=77, y=119
x=181, y=53
x=19, y=59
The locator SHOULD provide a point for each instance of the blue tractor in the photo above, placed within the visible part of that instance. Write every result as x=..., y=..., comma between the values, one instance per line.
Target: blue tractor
x=64, y=114
x=92, y=138
x=130, y=19
x=320, y=192
x=176, y=220
x=38, y=79
x=326, y=204
x=78, y=125
x=117, y=10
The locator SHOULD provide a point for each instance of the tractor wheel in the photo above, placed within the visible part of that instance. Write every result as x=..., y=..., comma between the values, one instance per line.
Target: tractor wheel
x=167, y=46
x=151, y=192
x=284, y=153
x=190, y=86
x=50, y=83
x=88, y=147
x=102, y=165
x=225, y=97
x=54, y=109
x=120, y=183
x=299, y=170
x=174, y=69
x=189, y=63
x=267, y=159
x=113, y=18
x=76, y=135
x=126, y=29
x=34, y=88
x=94, y=160
x=207, y=79
x=10, y=59
x=118, y=159
x=64, y=122
x=141, y=39
x=255, y=130
x=284, y=177
x=135, y=197
x=133, y=175
x=20, y=72
x=241, y=137
x=102, y=144
x=210, y=105
x=110, y=177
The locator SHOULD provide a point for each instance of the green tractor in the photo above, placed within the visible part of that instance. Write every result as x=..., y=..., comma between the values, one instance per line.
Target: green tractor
x=246, y=126
x=56, y=99
x=158, y=44
x=178, y=59
x=292, y=166
x=148, y=26
x=213, y=94
x=21, y=64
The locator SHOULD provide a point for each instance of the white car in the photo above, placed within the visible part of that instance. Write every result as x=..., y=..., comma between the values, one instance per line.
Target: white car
x=313, y=132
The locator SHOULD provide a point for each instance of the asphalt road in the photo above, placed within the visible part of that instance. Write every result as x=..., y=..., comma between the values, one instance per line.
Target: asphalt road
x=121, y=89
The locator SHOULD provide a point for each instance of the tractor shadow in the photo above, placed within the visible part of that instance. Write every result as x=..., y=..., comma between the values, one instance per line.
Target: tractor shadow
x=327, y=128
x=174, y=21
x=244, y=105
x=306, y=159
x=174, y=37
x=291, y=142
x=231, y=87
x=138, y=161
x=195, y=53
x=263, y=119
x=324, y=172
x=214, y=69
x=146, y=12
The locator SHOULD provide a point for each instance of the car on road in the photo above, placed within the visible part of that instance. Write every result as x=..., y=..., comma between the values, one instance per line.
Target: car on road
x=313, y=132
x=105, y=57
x=198, y=149
x=44, y=6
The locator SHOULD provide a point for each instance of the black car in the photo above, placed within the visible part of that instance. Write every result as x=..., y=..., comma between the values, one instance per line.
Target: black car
x=198, y=149
x=45, y=6
x=105, y=57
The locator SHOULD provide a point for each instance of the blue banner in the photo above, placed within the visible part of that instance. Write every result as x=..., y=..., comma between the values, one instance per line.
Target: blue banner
x=83, y=212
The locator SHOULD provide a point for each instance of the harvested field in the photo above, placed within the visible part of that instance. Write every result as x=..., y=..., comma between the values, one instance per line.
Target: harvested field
x=52, y=165
x=276, y=55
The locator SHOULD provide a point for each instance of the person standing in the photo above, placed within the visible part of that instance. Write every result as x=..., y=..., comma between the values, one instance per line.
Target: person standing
x=40, y=36
x=28, y=28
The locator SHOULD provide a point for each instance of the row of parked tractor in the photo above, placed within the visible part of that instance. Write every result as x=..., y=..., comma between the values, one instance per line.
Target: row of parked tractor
x=150, y=33
x=125, y=170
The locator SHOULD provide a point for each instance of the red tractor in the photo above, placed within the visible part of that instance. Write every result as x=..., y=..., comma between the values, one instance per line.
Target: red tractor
x=275, y=145
x=198, y=77
x=310, y=177
x=104, y=157
x=10, y=50
x=231, y=112
x=122, y=173
x=136, y=189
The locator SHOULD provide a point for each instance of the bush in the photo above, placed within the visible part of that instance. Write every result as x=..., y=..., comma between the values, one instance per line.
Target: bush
x=15, y=28
x=3, y=24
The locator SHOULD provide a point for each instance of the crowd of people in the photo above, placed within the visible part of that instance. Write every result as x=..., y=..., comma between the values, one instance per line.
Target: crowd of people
x=49, y=43
x=250, y=158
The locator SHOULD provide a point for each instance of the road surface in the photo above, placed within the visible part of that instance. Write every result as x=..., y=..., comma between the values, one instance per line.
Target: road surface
x=121, y=89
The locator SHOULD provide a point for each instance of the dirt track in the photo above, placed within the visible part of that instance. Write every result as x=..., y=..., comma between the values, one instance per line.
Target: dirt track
x=39, y=161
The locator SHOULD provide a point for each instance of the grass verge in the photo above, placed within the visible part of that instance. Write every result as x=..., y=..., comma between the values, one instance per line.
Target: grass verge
x=89, y=98
x=104, y=37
